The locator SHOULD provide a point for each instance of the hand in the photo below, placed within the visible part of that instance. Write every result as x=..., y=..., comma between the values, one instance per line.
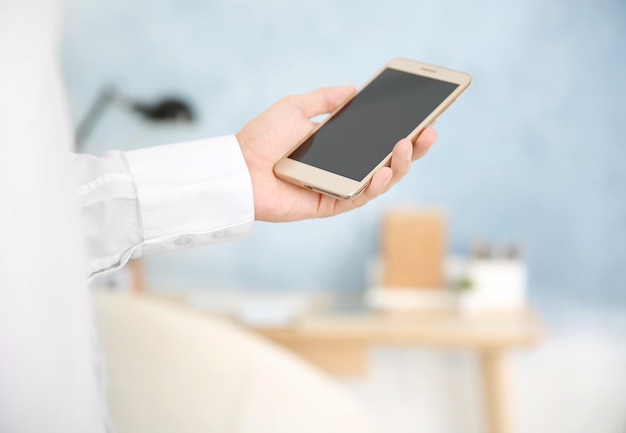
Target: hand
x=265, y=139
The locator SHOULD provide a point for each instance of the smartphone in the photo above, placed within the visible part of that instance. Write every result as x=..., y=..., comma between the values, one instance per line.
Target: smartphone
x=342, y=154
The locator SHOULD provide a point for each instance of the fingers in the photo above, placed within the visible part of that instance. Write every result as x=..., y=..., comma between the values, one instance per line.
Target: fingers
x=405, y=152
x=321, y=101
x=381, y=181
x=378, y=185
x=401, y=160
x=424, y=142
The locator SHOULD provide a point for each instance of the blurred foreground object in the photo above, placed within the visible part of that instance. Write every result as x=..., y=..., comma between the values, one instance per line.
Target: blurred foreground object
x=171, y=369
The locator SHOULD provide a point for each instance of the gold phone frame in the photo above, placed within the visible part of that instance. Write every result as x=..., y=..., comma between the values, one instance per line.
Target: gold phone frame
x=344, y=188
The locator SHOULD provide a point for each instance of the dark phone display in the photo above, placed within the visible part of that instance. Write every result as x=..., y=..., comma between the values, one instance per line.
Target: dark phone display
x=364, y=132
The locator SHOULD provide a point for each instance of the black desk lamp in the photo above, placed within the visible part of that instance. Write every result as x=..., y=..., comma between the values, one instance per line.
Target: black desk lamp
x=166, y=110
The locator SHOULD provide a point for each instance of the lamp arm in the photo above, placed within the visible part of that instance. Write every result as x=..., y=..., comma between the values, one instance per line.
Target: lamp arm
x=88, y=123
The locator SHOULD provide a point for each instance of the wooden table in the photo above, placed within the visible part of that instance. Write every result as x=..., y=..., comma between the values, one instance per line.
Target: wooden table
x=339, y=343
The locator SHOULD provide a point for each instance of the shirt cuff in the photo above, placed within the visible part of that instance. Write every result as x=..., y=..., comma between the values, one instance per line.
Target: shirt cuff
x=191, y=193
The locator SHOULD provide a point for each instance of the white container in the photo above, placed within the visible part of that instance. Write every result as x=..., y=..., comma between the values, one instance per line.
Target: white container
x=494, y=285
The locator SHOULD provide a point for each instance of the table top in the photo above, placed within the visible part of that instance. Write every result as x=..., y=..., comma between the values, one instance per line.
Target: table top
x=447, y=328
x=452, y=329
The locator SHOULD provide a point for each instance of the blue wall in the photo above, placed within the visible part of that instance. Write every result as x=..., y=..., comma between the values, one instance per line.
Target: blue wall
x=534, y=152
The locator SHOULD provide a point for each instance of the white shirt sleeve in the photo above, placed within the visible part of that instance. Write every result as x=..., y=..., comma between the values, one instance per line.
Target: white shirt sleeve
x=162, y=198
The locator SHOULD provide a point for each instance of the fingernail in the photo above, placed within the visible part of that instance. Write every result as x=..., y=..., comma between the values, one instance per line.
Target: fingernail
x=409, y=153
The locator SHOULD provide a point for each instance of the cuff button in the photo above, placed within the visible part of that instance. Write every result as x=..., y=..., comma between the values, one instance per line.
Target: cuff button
x=181, y=242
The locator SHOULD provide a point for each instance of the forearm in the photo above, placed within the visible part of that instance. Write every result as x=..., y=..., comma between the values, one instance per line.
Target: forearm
x=161, y=198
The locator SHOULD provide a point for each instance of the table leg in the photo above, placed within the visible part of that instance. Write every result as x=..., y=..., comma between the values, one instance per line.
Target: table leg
x=495, y=385
x=137, y=276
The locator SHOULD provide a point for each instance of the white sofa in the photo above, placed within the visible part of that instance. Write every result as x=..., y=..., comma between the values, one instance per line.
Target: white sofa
x=171, y=370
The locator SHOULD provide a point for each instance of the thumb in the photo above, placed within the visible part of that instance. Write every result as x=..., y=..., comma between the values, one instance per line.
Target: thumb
x=322, y=100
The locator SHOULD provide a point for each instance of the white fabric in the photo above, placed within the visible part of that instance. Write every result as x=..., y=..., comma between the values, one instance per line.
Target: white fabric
x=175, y=370
x=162, y=198
x=48, y=376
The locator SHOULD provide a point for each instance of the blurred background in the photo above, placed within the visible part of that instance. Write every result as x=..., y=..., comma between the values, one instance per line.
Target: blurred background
x=533, y=154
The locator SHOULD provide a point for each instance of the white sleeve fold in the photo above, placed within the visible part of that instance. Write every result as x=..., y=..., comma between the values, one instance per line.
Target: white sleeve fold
x=162, y=198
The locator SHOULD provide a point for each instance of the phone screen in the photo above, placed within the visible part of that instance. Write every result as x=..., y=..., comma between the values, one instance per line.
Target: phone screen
x=364, y=131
